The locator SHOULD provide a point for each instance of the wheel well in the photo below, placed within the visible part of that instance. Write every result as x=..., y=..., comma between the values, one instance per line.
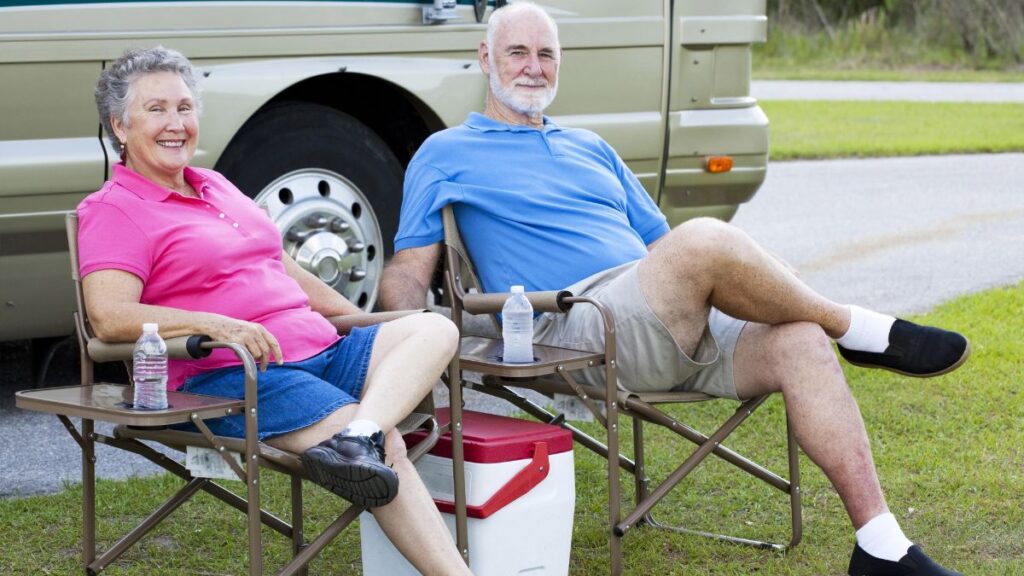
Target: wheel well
x=401, y=119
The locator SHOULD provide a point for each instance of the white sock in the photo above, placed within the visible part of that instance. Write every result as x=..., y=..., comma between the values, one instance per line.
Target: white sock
x=883, y=538
x=361, y=428
x=868, y=332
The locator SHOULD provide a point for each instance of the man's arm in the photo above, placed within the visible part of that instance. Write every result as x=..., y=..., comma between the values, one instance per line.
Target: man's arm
x=406, y=279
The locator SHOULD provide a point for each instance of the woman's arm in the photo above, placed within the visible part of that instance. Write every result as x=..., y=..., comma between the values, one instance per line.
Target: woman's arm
x=322, y=298
x=115, y=313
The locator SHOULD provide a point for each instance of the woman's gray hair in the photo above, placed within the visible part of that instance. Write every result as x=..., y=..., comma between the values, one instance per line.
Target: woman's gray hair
x=114, y=87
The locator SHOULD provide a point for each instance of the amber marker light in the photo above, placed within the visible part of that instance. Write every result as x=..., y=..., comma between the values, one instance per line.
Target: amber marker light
x=718, y=164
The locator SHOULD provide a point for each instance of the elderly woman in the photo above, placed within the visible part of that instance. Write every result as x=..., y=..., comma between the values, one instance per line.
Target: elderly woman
x=181, y=246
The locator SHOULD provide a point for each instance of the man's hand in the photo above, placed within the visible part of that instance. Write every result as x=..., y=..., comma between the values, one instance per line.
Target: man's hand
x=406, y=279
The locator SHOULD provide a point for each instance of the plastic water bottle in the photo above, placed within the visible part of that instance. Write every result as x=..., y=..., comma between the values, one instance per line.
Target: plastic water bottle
x=149, y=370
x=517, y=328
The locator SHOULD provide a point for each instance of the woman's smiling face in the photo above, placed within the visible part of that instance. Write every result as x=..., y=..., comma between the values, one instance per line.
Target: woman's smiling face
x=162, y=129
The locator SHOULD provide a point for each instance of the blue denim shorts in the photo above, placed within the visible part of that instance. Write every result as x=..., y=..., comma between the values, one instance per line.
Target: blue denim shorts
x=296, y=394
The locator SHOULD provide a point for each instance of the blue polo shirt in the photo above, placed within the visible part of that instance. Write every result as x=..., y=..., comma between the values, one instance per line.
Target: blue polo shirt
x=544, y=208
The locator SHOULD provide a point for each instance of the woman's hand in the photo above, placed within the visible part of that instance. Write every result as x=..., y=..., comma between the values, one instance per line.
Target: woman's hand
x=257, y=340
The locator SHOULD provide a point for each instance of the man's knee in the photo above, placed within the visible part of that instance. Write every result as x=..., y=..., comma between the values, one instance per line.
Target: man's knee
x=802, y=347
x=697, y=246
x=705, y=234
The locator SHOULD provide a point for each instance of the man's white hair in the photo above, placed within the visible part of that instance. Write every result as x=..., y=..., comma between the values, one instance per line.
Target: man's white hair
x=498, y=17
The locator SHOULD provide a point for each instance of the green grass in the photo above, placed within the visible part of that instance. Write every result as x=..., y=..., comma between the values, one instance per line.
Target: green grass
x=950, y=453
x=770, y=69
x=818, y=129
x=864, y=50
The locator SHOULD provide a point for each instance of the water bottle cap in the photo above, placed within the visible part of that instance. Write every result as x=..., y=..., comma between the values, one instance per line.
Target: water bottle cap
x=150, y=327
x=518, y=289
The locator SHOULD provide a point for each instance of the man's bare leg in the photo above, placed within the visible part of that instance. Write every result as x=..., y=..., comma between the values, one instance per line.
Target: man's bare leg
x=706, y=262
x=797, y=360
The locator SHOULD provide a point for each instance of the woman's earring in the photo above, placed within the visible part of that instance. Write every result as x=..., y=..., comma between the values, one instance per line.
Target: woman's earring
x=121, y=144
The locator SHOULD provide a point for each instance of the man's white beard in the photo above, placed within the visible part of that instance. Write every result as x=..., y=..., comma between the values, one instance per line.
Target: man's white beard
x=534, y=102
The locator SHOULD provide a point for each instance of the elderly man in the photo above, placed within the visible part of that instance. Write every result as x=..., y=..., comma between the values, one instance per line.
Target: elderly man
x=565, y=194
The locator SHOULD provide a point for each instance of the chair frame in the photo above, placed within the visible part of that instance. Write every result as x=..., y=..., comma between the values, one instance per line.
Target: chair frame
x=93, y=402
x=551, y=373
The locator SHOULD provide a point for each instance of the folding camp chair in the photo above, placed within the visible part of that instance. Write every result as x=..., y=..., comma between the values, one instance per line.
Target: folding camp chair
x=552, y=372
x=95, y=401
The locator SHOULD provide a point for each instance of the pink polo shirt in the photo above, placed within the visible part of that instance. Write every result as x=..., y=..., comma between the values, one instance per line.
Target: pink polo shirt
x=217, y=253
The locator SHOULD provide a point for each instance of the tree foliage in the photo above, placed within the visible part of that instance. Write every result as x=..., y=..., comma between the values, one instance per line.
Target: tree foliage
x=986, y=29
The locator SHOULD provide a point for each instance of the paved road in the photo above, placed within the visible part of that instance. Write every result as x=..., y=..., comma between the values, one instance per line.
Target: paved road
x=895, y=234
x=899, y=235
x=917, y=91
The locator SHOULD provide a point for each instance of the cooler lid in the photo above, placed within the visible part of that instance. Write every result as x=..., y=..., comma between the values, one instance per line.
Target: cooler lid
x=487, y=438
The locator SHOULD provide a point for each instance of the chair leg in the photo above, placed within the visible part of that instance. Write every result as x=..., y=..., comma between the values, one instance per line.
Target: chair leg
x=310, y=551
x=88, y=494
x=795, y=495
x=614, y=498
x=458, y=457
x=252, y=481
x=298, y=537
x=712, y=444
x=157, y=516
x=640, y=471
x=211, y=488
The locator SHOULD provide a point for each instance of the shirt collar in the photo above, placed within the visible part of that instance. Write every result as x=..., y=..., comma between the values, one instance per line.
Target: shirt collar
x=148, y=190
x=478, y=121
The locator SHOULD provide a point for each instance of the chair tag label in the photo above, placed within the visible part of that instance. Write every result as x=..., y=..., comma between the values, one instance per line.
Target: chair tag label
x=573, y=407
x=207, y=463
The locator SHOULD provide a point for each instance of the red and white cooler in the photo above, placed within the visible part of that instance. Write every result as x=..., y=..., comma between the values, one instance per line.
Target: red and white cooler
x=520, y=495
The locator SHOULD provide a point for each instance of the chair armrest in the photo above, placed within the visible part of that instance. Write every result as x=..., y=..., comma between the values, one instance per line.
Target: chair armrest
x=345, y=323
x=182, y=347
x=492, y=303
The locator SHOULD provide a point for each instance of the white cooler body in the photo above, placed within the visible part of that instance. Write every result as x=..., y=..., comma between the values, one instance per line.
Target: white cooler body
x=530, y=535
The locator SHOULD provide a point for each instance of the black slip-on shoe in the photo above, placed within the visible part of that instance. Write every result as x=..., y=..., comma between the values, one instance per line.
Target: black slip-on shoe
x=353, y=467
x=914, y=563
x=919, y=351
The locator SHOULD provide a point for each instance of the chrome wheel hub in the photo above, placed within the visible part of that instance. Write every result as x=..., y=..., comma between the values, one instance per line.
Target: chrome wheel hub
x=329, y=228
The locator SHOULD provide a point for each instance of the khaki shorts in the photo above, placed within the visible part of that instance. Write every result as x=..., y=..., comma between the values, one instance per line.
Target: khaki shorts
x=649, y=358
